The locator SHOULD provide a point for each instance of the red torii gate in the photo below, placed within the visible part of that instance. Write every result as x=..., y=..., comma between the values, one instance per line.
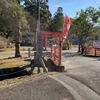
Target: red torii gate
x=61, y=36
x=56, y=51
x=48, y=34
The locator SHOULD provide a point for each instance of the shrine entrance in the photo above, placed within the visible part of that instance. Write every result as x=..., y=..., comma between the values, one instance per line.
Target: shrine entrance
x=56, y=50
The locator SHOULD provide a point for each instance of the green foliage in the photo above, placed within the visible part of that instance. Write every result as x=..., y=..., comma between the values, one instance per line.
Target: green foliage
x=20, y=15
x=32, y=22
x=5, y=20
x=57, y=21
x=10, y=11
x=45, y=15
x=84, y=25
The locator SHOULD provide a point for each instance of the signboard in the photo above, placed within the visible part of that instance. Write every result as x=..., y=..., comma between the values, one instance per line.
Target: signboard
x=96, y=44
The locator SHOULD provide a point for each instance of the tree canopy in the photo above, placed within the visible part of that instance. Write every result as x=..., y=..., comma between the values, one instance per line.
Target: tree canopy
x=57, y=22
x=85, y=25
x=45, y=14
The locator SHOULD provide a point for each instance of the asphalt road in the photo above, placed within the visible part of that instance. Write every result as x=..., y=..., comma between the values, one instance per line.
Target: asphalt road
x=40, y=89
x=85, y=70
x=80, y=82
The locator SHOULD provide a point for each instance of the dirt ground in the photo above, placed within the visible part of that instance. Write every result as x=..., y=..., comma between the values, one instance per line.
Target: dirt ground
x=13, y=71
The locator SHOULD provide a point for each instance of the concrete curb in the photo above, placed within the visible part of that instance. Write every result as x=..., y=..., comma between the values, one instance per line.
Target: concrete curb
x=71, y=90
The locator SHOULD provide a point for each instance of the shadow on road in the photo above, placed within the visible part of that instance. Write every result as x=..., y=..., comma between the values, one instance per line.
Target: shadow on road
x=69, y=54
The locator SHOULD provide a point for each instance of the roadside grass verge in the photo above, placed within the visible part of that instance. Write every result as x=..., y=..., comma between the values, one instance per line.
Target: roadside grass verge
x=11, y=62
x=11, y=67
x=22, y=48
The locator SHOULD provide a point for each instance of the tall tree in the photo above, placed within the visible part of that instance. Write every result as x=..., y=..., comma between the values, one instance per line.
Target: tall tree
x=84, y=26
x=45, y=16
x=20, y=18
x=57, y=21
x=18, y=22
x=5, y=29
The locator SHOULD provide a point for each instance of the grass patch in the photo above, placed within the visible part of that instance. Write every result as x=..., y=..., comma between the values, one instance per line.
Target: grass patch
x=11, y=67
x=12, y=62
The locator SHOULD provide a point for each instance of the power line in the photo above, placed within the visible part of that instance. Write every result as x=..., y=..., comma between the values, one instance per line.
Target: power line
x=96, y=3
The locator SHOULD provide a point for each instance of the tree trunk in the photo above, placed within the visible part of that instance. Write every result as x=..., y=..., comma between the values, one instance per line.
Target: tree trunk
x=17, y=39
x=82, y=49
x=17, y=49
x=79, y=46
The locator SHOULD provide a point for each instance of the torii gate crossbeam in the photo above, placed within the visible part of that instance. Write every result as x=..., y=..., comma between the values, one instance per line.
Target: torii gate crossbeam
x=48, y=34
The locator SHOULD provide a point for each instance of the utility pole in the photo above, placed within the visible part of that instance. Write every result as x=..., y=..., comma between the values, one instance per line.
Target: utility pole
x=39, y=43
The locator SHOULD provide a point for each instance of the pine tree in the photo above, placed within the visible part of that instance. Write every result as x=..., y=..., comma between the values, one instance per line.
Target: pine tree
x=57, y=21
x=45, y=15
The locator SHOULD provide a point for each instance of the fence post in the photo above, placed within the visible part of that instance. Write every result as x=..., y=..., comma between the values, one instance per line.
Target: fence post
x=60, y=53
x=95, y=51
x=29, y=52
x=54, y=52
x=51, y=52
x=85, y=49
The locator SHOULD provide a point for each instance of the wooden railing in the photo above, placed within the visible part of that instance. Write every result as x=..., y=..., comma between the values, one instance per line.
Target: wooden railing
x=92, y=51
x=56, y=54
